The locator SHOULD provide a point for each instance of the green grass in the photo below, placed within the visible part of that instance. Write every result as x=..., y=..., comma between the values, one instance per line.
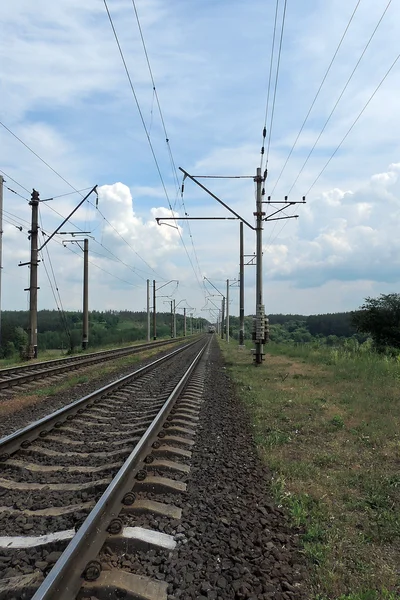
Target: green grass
x=328, y=425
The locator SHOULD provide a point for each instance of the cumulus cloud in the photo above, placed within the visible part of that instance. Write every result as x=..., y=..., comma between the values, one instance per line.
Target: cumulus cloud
x=349, y=236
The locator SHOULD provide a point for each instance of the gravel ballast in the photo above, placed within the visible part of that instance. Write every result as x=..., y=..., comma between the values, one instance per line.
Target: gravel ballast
x=233, y=542
x=20, y=417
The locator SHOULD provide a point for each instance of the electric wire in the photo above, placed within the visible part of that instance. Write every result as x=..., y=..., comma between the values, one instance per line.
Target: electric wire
x=344, y=137
x=269, y=84
x=316, y=96
x=126, y=242
x=340, y=96
x=353, y=124
x=16, y=193
x=79, y=230
x=276, y=80
x=37, y=156
x=167, y=139
x=9, y=177
x=104, y=270
x=70, y=185
x=61, y=311
x=147, y=134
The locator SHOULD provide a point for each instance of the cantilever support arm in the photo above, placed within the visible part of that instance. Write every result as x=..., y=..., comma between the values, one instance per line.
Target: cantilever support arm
x=66, y=219
x=281, y=218
x=203, y=187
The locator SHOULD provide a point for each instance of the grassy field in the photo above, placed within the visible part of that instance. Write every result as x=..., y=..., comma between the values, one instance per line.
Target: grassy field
x=328, y=425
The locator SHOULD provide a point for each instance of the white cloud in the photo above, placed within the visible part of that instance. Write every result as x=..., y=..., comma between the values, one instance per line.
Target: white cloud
x=65, y=93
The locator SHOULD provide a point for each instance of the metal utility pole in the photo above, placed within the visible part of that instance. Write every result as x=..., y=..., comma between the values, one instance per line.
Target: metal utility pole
x=85, y=323
x=85, y=311
x=184, y=322
x=33, y=279
x=191, y=323
x=260, y=312
x=148, y=310
x=222, y=316
x=1, y=241
x=261, y=328
x=154, y=311
x=241, y=284
x=154, y=303
x=227, y=311
x=174, y=319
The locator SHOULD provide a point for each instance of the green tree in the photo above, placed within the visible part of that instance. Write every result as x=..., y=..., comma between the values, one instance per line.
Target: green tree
x=380, y=318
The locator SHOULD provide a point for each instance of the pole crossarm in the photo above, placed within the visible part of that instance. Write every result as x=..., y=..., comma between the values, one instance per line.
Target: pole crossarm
x=67, y=218
x=158, y=219
x=203, y=187
x=286, y=205
x=281, y=218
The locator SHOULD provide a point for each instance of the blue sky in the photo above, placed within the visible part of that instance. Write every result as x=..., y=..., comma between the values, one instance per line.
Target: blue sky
x=66, y=95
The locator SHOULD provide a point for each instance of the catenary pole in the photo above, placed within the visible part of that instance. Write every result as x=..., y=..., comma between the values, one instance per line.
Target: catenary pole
x=222, y=316
x=33, y=278
x=154, y=311
x=241, y=284
x=148, y=309
x=1, y=243
x=174, y=319
x=259, y=332
x=85, y=327
x=227, y=311
x=184, y=322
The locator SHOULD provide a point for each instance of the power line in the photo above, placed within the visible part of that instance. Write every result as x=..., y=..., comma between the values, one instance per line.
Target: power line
x=340, y=96
x=147, y=133
x=316, y=95
x=276, y=79
x=101, y=244
x=9, y=177
x=343, y=139
x=173, y=165
x=16, y=193
x=269, y=83
x=354, y=123
x=126, y=242
x=104, y=270
x=37, y=156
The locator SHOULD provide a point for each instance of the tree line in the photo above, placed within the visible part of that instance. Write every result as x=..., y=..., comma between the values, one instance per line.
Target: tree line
x=377, y=320
x=63, y=331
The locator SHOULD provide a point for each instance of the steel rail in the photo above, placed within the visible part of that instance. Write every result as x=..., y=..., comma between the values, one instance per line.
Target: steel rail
x=23, y=437
x=65, y=579
x=35, y=370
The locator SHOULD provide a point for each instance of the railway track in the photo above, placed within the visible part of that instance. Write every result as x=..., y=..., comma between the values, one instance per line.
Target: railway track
x=19, y=375
x=82, y=486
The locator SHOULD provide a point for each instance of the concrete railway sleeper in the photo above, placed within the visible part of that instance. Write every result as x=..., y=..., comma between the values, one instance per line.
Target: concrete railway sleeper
x=19, y=375
x=72, y=481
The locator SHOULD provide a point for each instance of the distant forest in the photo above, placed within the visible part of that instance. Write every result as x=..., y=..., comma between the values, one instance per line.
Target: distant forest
x=328, y=328
x=64, y=330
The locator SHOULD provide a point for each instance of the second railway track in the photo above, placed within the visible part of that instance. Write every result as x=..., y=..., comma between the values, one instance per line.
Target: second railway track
x=21, y=374
x=76, y=469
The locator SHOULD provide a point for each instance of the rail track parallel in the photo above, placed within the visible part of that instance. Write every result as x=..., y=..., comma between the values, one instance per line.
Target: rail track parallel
x=18, y=375
x=87, y=484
